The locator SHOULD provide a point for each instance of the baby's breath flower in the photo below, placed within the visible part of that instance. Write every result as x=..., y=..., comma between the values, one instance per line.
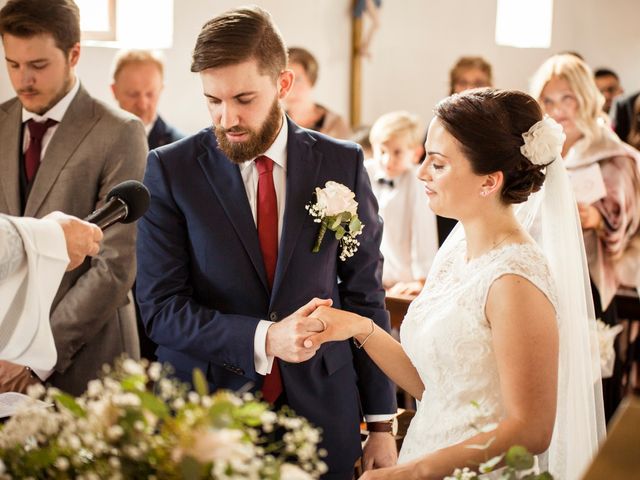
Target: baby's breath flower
x=62, y=464
x=155, y=370
x=115, y=432
x=132, y=367
x=94, y=388
x=36, y=390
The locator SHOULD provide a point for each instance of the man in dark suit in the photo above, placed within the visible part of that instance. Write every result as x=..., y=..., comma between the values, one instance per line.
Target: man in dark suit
x=138, y=81
x=624, y=115
x=138, y=77
x=64, y=150
x=226, y=276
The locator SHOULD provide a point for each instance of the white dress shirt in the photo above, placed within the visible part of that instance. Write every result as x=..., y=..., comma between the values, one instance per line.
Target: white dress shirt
x=55, y=113
x=278, y=153
x=410, y=235
x=149, y=127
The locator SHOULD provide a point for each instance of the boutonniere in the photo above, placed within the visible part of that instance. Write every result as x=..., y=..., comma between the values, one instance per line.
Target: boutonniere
x=335, y=209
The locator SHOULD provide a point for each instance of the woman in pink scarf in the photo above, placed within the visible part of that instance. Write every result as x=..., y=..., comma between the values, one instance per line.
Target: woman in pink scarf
x=606, y=175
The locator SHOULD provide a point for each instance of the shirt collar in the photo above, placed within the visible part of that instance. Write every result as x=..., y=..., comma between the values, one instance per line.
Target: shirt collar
x=278, y=149
x=58, y=110
x=149, y=127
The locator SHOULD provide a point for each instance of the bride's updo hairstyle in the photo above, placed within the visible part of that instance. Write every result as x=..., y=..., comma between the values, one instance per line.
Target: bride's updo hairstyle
x=489, y=124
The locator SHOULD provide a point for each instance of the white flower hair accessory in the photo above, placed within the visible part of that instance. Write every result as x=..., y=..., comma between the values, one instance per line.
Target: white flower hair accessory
x=543, y=142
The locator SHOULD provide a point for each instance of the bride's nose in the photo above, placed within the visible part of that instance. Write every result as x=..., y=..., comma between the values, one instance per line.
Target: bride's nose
x=423, y=172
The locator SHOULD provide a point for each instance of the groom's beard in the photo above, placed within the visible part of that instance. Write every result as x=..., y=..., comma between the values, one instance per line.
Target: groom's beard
x=257, y=143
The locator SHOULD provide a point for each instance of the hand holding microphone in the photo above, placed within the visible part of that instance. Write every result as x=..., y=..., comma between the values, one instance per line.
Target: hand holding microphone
x=82, y=238
x=126, y=202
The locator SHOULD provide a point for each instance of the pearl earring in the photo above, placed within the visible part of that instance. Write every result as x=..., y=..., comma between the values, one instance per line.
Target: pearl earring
x=484, y=193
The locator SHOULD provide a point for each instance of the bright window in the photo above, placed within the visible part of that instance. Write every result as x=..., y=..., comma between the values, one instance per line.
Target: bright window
x=144, y=24
x=524, y=23
x=97, y=19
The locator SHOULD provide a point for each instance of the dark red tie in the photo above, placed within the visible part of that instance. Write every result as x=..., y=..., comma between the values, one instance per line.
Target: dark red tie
x=34, y=150
x=268, y=237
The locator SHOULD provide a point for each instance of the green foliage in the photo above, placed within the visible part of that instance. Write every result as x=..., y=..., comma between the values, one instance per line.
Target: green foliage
x=69, y=403
x=200, y=383
x=519, y=458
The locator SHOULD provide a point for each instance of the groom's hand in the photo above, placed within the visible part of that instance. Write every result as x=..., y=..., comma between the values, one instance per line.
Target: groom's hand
x=285, y=339
x=379, y=451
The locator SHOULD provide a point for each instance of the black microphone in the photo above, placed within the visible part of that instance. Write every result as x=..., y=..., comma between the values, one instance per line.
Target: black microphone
x=126, y=202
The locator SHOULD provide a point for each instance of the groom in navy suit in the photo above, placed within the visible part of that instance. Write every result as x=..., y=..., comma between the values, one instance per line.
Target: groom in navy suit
x=226, y=276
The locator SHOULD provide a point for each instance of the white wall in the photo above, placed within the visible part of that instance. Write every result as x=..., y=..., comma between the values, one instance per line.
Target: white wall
x=418, y=42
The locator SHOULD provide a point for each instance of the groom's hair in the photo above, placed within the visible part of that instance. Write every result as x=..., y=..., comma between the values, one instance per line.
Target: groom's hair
x=240, y=35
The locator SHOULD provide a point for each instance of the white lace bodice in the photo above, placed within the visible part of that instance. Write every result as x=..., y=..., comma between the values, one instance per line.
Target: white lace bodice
x=448, y=338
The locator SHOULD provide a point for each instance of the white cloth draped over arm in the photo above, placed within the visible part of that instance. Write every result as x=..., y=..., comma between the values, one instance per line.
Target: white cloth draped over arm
x=30, y=274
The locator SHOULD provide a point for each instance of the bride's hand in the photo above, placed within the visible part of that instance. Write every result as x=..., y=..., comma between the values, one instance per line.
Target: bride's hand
x=391, y=473
x=338, y=325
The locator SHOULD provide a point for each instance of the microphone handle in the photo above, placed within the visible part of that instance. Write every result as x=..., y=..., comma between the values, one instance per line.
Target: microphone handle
x=111, y=212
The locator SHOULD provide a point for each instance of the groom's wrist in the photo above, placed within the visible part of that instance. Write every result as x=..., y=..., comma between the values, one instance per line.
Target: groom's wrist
x=387, y=426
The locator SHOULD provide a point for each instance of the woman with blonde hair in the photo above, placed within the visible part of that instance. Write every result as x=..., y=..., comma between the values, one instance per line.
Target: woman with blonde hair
x=606, y=179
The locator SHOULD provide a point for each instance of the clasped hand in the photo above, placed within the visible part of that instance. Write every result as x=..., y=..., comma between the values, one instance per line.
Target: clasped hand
x=298, y=337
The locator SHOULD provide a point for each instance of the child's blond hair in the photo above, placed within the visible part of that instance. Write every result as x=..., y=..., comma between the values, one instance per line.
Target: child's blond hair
x=395, y=124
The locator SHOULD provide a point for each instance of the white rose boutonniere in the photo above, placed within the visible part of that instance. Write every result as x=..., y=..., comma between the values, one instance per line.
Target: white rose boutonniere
x=337, y=210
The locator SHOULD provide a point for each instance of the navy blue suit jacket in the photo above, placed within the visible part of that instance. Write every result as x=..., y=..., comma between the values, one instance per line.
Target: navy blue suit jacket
x=162, y=134
x=202, y=286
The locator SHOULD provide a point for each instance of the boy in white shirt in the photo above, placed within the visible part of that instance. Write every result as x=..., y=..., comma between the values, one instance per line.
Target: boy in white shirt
x=409, y=239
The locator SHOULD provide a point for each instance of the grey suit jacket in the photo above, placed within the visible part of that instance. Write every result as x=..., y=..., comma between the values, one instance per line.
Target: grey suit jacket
x=93, y=149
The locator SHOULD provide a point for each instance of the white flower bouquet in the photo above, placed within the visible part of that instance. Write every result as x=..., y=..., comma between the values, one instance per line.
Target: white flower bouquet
x=119, y=429
x=336, y=209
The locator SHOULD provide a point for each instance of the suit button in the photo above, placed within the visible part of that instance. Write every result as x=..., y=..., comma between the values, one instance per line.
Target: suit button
x=273, y=316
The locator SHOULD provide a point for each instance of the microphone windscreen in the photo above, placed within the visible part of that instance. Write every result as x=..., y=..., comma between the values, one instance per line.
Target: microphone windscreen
x=135, y=195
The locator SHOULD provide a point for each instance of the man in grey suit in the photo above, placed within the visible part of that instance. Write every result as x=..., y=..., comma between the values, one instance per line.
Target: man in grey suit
x=63, y=150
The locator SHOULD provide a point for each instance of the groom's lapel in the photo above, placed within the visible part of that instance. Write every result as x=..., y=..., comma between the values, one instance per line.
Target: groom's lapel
x=226, y=181
x=303, y=166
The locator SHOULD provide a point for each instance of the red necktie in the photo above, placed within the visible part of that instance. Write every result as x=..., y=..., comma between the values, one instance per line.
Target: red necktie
x=33, y=152
x=268, y=237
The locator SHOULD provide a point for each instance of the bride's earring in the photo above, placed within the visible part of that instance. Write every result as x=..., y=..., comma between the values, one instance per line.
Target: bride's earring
x=484, y=193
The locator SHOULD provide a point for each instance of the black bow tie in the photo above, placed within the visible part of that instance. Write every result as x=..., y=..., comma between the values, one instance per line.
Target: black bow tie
x=385, y=181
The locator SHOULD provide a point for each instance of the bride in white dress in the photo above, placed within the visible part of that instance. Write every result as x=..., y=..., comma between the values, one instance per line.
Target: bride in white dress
x=496, y=347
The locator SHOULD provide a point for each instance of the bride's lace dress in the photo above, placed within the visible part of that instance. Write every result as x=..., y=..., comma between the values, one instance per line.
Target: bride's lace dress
x=448, y=338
